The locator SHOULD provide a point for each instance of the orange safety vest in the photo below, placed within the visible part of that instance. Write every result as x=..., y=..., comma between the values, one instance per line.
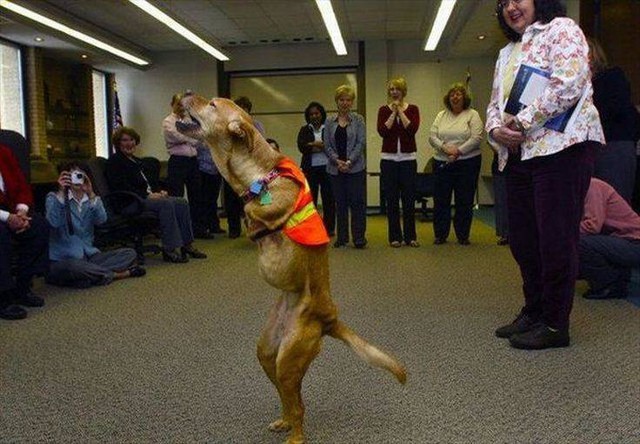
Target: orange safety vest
x=305, y=225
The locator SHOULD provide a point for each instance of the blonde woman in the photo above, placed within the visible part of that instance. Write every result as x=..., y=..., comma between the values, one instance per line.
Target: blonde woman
x=398, y=122
x=345, y=142
x=455, y=136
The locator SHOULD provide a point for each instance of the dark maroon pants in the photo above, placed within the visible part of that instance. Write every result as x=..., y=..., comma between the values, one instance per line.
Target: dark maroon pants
x=545, y=204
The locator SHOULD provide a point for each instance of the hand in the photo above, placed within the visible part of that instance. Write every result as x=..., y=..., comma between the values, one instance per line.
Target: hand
x=64, y=180
x=450, y=149
x=18, y=223
x=344, y=166
x=87, y=187
x=507, y=137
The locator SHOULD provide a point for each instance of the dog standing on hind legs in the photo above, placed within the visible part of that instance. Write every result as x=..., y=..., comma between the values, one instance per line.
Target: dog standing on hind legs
x=293, y=255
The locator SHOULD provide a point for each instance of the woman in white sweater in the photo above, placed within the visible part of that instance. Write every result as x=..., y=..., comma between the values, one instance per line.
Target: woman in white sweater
x=455, y=136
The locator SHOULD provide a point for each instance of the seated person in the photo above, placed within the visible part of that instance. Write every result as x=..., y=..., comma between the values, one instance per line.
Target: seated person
x=28, y=232
x=72, y=212
x=124, y=173
x=609, y=242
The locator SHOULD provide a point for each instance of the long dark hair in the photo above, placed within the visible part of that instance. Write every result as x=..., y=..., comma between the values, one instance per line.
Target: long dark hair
x=546, y=10
x=307, y=110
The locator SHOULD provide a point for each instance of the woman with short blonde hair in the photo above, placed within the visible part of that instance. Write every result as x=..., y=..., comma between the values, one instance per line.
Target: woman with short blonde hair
x=345, y=141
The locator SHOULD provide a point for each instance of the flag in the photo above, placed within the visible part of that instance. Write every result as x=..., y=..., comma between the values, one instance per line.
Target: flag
x=468, y=81
x=117, y=116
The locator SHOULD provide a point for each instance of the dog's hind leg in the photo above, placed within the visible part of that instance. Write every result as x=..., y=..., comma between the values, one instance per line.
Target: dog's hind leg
x=268, y=346
x=300, y=345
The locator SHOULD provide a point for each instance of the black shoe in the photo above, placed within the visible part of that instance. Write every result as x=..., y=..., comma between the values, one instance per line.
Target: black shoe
x=13, y=312
x=503, y=241
x=523, y=323
x=464, y=241
x=137, y=271
x=360, y=245
x=439, y=241
x=174, y=257
x=30, y=300
x=191, y=251
x=217, y=230
x=539, y=338
x=611, y=292
x=234, y=235
x=339, y=244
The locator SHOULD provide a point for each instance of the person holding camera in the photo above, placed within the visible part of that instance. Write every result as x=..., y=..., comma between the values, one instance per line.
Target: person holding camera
x=72, y=212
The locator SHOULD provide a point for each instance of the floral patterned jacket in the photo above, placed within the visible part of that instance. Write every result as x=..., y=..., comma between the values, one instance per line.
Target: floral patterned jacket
x=560, y=48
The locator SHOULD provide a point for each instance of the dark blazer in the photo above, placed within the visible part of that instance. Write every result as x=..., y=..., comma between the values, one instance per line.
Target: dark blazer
x=305, y=136
x=612, y=98
x=124, y=174
x=16, y=189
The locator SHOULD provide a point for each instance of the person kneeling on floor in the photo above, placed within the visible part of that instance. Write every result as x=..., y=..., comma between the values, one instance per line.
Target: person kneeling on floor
x=72, y=212
x=609, y=242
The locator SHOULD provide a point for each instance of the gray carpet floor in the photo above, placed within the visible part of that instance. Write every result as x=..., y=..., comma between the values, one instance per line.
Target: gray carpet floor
x=170, y=358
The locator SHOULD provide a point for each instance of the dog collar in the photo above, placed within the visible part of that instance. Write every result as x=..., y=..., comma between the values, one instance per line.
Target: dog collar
x=259, y=188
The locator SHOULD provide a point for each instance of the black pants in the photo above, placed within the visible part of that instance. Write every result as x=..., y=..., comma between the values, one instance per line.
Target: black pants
x=320, y=184
x=350, y=193
x=209, y=192
x=459, y=179
x=183, y=172
x=399, y=184
x=233, y=206
x=31, y=250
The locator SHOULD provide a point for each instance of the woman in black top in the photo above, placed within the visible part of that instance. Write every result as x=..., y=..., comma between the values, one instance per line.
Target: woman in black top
x=616, y=161
x=314, y=162
x=124, y=173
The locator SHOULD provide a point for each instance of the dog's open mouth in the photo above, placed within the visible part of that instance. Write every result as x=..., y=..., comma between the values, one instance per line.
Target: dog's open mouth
x=188, y=123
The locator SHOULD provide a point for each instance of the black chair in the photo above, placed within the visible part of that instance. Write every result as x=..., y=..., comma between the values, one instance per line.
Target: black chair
x=424, y=189
x=128, y=223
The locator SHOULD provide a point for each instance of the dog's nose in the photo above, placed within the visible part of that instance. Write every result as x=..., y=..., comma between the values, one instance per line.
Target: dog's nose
x=187, y=93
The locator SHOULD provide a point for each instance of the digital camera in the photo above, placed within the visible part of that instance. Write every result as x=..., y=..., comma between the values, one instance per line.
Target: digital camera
x=77, y=177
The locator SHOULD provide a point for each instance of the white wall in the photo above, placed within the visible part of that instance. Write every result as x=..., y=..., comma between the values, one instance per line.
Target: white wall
x=145, y=96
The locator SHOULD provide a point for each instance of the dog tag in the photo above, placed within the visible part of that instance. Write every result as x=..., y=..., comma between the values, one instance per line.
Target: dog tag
x=265, y=198
x=256, y=187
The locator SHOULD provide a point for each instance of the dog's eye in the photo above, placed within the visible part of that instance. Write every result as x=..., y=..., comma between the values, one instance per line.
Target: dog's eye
x=212, y=103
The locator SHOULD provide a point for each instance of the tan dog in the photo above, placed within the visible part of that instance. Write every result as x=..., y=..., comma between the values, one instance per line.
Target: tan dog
x=304, y=313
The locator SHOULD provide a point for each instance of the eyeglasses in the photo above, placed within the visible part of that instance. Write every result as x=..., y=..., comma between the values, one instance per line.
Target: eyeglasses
x=505, y=3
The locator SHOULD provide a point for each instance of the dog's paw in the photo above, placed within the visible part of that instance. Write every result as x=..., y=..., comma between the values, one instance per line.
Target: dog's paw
x=280, y=426
x=295, y=441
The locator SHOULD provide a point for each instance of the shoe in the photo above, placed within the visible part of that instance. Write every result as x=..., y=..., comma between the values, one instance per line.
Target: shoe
x=217, y=230
x=464, y=242
x=539, y=338
x=194, y=253
x=439, y=241
x=30, y=300
x=174, y=257
x=339, y=244
x=395, y=244
x=503, y=241
x=13, y=312
x=234, y=235
x=610, y=292
x=414, y=244
x=331, y=233
x=360, y=245
x=137, y=271
x=523, y=323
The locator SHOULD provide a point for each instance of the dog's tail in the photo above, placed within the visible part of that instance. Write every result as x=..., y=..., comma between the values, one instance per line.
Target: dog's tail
x=368, y=352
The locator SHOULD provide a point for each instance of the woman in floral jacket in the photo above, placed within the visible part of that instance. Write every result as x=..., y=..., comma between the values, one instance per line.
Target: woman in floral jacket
x=547, y=170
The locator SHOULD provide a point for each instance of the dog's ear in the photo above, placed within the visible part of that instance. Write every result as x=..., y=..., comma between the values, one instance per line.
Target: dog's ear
x=236, y=129
x=240, y=129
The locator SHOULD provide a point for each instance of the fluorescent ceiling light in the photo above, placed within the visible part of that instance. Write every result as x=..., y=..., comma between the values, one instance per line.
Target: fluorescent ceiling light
x=444, y=12
x=178, y=28
x=331, y=23
x=71, y=32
